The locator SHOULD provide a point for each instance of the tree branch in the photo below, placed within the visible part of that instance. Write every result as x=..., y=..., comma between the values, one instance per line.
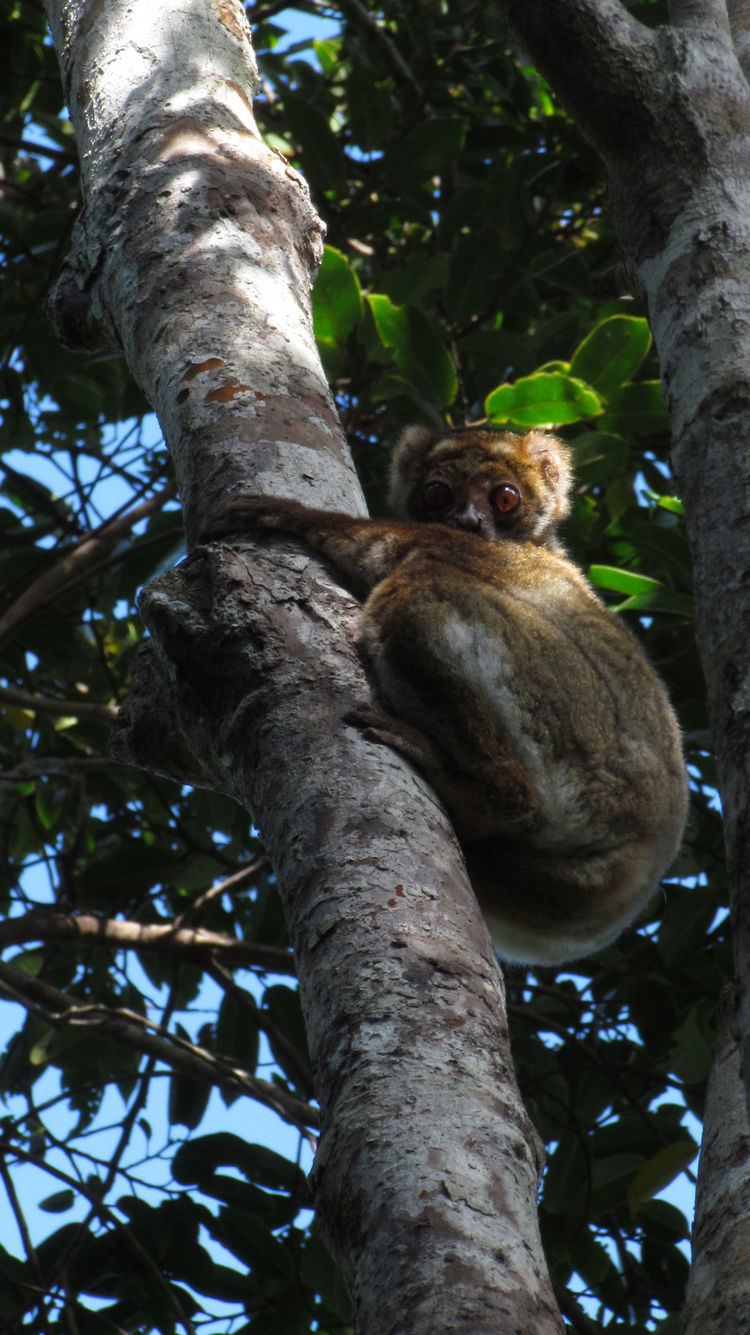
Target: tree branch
x=41, y=704
x=136, y=1032
x=718, y=1298
x=70, y=765
x=597, y=57
x=252, y=669
x=38, y=150
x=193, y=943
x=260, y=1020
x=680, y=195
x=360, y=17
x=739, y=18
x=699, y=14
x=106, y=1216
x=28, y=1245
x=77, y=562
x=579, y=1321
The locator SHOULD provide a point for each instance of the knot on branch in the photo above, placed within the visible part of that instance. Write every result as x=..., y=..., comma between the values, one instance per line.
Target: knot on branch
x=203, y=673
x=77, y=318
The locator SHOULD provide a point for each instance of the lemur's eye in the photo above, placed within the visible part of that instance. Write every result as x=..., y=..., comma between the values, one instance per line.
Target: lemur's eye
x=436, y=497
x=505, y=499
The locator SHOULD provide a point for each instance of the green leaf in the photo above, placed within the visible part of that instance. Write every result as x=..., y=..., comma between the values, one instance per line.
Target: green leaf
x=672, y=503
x=691, y=1057
x=555, y=366
x=197, y=1160
x=251, y=1241
x=598, y=456
x=328, y=51
x=566, y=1180
x=417, y=348
x=637, y=409
x=47, y=803
x=426, y=150
x=127, y=865
x=611, y=1179
x=322, y=153
x=663, y=1220
x=29, y=961
x=478, y=268
x=685, y=924
x=416, y=279
x=660, y=1170
x=372, y=108
x=337, y=299
x=59, y=1202
x=590, y=1259
x=612, y=352
x=660, y=600
x=237, y=1032
x=283, y=1005
x=562, y=268
x=545, y=399
x=622, y=581
x=645, y=594
x=188, y=1098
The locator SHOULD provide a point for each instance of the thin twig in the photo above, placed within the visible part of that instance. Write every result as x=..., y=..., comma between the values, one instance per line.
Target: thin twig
x=106, y=1217
x=28, y=1245
x=233, y=882
x=363, y=19
x=262, y=1021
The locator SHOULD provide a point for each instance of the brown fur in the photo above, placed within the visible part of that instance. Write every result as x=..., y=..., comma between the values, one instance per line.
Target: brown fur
x=529, y=706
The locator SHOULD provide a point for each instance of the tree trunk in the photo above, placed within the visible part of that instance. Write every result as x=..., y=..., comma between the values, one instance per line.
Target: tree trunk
x=195, y=252
x=717, y=1301
x=669, y=110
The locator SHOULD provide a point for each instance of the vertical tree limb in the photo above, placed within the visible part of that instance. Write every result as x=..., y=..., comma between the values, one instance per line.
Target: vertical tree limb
x=196, y=252
x=679, y=173
x=718, y=1293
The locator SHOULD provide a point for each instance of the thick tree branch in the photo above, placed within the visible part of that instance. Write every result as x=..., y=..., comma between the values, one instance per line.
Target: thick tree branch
x=710, y=14
x=739, y=17
x=596, y=56
x=187, y=943
x=718, y=1295
x=196, y=252
x=680, y=199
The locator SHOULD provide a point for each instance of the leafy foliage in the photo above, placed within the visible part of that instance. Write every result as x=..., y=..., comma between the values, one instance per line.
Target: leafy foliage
x=466, y=277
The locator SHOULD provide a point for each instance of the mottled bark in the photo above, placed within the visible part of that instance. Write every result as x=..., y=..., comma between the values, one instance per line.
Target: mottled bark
x=195, y=252
x=195, y=249
x=669, y=110
x=718, y=1294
